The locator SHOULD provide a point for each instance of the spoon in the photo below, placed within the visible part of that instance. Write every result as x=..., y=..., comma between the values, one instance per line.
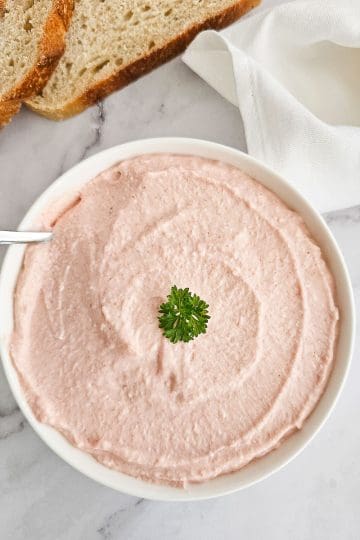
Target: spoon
x=19, y=237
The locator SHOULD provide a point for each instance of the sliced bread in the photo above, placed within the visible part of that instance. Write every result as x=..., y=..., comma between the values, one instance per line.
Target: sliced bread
x=32, y=40
x=112, y=42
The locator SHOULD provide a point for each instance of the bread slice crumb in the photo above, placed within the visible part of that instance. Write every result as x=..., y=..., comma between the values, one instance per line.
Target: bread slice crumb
x=32, y=40
x=112, y=42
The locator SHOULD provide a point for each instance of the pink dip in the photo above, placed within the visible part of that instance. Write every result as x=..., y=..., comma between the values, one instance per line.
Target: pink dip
x=92, y=360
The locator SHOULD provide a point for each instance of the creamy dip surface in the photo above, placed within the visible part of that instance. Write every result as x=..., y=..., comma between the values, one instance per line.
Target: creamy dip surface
x=91, y=357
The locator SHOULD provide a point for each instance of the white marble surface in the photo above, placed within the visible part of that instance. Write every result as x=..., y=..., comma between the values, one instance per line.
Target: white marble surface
x=316, y=497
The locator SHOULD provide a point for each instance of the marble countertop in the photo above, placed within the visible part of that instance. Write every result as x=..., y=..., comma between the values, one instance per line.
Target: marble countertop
x=316, y=497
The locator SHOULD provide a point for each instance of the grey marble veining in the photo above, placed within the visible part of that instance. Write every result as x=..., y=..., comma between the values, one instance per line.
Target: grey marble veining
x=316, y=497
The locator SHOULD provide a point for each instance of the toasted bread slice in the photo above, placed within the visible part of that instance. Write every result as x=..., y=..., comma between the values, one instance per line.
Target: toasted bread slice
x=112, y=42
x=32, y=40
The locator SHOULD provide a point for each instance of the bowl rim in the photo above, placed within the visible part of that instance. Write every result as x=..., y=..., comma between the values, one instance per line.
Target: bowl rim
x=259, y=469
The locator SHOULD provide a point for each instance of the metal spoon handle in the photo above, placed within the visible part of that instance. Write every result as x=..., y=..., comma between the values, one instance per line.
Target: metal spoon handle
x=19, y=237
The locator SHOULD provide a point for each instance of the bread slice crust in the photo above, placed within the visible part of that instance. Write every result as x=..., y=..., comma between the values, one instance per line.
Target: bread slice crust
x=143, y=65
x=50, y=50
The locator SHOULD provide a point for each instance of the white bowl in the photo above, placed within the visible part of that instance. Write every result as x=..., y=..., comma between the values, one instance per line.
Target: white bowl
x=259, y=469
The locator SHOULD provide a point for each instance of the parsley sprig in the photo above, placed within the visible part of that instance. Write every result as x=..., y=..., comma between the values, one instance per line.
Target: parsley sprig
x=184, y=316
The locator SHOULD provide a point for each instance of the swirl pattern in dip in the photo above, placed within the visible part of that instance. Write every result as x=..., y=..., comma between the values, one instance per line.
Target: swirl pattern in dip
x=92, y=360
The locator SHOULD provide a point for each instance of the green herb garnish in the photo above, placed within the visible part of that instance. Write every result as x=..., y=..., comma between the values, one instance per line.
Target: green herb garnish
x=184, y=316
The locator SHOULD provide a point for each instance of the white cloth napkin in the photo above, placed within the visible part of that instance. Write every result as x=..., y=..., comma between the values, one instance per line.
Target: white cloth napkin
x=294, y=73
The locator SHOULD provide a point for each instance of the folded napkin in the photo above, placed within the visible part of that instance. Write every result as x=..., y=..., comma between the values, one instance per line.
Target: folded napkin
x=294, y=73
